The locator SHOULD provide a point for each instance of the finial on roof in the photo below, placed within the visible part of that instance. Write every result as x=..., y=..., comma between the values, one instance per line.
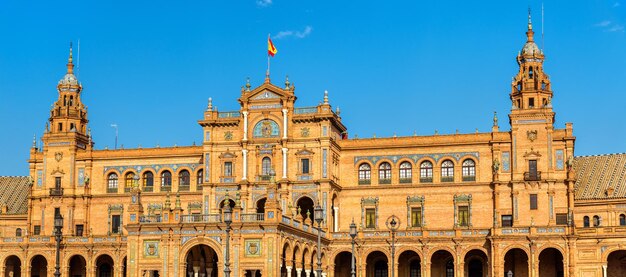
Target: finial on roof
x=529, y=33
x=326, y=97
x=70, y=64
x=287, y=84
x=338, y=111
x=248, y=84
x=414, y=133
x=209, y=106
x=530, y=22
x=34, y=141
x=495, y=118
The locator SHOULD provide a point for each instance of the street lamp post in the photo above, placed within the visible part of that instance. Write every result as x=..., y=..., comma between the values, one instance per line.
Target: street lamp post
x=352, y=235
x=319, y=213
x=228, y=219
x=393, y=223
x=58, y=225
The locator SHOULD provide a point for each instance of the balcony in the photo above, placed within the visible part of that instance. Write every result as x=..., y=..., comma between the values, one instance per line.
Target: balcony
x=150, y=219
x=447, y=179
x=384, y=181
x=532, y=176
x=183, y=188
x=56, y=192
x=166, y=188
x=201, y=218
x=426, y=179
x=112, y=190
x=365, y=182
x=148, y=189
x=469, y=178
x=254, y=217
x=406, y=180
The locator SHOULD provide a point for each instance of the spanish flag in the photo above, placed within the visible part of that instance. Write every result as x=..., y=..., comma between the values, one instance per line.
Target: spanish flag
x=271, y=50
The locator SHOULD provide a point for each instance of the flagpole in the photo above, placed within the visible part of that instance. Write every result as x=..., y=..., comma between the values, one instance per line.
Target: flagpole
x=268, y=60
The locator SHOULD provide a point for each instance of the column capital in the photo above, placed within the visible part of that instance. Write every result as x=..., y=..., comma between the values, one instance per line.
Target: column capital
x=285, y=111
x=245, y=113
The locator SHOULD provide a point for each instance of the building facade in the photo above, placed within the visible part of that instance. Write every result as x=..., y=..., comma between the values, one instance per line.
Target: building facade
x=500, y=203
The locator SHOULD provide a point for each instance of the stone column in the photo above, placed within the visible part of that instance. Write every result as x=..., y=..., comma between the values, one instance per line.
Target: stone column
x=245, y=125
x=307, y=272
x=244, y=154
x=284, y=123
x=336, y=219
x=604, y=270
x=288, y=270
x=285, y=163
x=298, y=272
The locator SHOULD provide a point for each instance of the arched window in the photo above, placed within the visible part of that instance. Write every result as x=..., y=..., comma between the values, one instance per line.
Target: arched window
x=129, y=180
x=384, y=173
x=450, y=268
x=622, y=220
x=184, y=178
x=18, y=232
x=426, y=172
x=199, y=176
x=266, y=166
x=365, y=174
x=596, y=221
x=405, y=172
x=585, y=221
x=447, y=171
x=148, y=181
x=166, y=179
x=469, y=170
x=112, y=183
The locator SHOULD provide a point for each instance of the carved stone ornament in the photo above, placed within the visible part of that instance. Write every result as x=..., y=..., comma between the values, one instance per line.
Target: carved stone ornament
x=305, y=132
x=532, y=135
x=58, y=156
x=228, y=135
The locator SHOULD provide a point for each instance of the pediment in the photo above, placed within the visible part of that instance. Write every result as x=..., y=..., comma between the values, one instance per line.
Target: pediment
x=265, y=95
x=304, y=152
x=532, y=154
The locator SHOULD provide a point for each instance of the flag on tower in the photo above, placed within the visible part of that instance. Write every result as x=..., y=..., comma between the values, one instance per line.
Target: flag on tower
x=271, y=50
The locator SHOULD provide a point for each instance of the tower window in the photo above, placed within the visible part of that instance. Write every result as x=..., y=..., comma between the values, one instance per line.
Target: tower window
x=585, y=221
x=622, y=220
x=531, y=102
x=530, y=73
x=60, y=127
x=72, y=127
x=596, y=221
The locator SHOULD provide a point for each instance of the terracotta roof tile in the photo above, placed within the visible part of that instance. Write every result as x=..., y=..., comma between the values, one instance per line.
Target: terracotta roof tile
x=600, y=176
x=14, y=193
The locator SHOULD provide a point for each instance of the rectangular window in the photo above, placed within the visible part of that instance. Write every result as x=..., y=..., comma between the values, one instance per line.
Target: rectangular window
x=57, y=211
x=79, y=230
x=57, y=183
x=305, y=166
x=228, y=169
x=370, y=218
x=561, y=219
x=37, y=230
x=416, y=217
x=531, y=102
x=60, y=127
x=463, y=216
x=115, y=224
x=533, y=201
x=507, y=220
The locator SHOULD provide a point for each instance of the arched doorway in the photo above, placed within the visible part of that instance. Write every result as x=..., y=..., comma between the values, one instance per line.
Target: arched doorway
x=78, y=266
x=377, y=265
x=260, y=205
x=550, y=263
x=201, y=259
x=409, y=264
x=476, y=263
x=343, y=265
x=442, y=264
x=306, y=205
x=516, y=261
x=284, y=262
x=104, y=266
x=305, y=261
x=295, y=259
x=12, y=266
x=616, y=264
x=38, y=266
x=124, y=266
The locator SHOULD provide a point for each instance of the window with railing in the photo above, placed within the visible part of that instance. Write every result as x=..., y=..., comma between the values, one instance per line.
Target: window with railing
x=469, y=170
x=416, y=217
x=384, y=173
x=166, y=181
x=116, y=224
x=370, y=218
x=507, y=220
x=184, y=179
x=447, y=171
x=406, y=173
x=129, y=180
x=228, y=169
x=304, y=166
x=463, y=216
x=365, y=174
x=148, y=181
x=112, y=183
x=426, y=172
x=266, y=166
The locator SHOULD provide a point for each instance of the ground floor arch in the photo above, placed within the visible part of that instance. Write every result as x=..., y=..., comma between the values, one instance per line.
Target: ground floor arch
x=377, y=265
x=12, y=266
x=516, y=262
x=442, y=264
x=551, y=263
x=201, y=260
x=476, y=263
x=105, y=266
x=38, y=266
x=77, y=266
x=409, y=264
x=616, y=263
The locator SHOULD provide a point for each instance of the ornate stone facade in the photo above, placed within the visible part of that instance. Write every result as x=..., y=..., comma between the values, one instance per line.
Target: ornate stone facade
x=479, y=204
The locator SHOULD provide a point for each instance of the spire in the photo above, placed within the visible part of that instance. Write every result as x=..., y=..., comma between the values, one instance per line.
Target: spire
x=326, y=97
x=70, y=64
x=210, y=105
x=530, y=33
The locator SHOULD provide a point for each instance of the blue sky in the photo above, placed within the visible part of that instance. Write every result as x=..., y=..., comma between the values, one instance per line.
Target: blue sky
x=393, y=67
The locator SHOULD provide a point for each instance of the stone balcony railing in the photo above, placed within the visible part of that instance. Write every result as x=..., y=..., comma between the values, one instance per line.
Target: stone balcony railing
x=66, y=239
x=601, y=231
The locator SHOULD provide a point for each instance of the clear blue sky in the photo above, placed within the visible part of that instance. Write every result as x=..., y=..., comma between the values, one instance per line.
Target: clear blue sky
x=392, y=67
